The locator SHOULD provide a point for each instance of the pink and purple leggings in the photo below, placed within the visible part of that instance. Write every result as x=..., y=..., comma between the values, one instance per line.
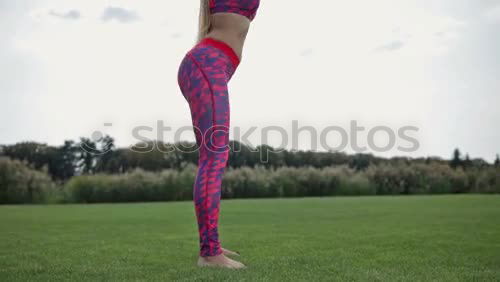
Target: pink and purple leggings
x=203, y=77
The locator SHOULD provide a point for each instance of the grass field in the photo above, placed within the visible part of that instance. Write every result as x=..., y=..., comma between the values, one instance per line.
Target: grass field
x=413, y=238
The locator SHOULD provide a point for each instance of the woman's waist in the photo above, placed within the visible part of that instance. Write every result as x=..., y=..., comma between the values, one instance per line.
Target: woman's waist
x=232, y=46
x=230, y=23
x=233, y=39
x=213, y=54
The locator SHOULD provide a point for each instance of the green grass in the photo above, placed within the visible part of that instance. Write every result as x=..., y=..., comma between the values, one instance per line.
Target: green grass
x=413, y=238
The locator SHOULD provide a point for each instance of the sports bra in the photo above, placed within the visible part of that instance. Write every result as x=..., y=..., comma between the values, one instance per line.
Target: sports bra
x=247, y=8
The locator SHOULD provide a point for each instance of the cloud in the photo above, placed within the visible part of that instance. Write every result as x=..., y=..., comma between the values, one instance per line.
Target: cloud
x=69, y=15
x=493, y=14
x=176, y=35
x=306, y=52
x=391, y=46
x=119, y=14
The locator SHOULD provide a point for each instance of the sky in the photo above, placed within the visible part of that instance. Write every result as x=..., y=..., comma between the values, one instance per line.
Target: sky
x=71, y=68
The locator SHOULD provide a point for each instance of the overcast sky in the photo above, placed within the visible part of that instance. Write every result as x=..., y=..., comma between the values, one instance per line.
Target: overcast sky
x=68, y=67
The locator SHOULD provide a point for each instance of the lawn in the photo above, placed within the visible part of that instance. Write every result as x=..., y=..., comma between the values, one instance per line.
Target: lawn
x=410, y=238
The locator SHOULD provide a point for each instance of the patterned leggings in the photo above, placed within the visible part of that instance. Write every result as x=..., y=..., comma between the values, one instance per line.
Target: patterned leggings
x=203, y=77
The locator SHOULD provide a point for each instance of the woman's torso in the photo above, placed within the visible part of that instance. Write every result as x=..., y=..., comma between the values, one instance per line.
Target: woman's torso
x=230, y=21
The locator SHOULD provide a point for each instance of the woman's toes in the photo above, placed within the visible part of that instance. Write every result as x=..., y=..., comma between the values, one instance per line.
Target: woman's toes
x=237, y=264
x=229, y=252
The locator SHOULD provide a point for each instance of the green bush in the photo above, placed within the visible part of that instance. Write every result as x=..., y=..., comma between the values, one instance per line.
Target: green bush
x=356, y=185
x=248, y=182
x=21, y=184
x=261, y=182
x=418, y=178
x=134, y=186
x=488, y=180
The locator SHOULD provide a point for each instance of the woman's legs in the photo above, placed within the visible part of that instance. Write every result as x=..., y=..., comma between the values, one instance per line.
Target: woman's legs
x=204, y=85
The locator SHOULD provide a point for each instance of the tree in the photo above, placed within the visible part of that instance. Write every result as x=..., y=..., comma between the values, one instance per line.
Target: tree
x=457, y=159
x=467, y=163
x=35, y=154
x=497, y=161
x=479, y=163
x=87, y=155
x=361, y=161
x=20, y=183
x=60, y=161
x=63, y=160
x=105, y=156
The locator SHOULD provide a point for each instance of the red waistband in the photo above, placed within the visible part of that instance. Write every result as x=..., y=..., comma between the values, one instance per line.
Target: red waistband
x=224, y=47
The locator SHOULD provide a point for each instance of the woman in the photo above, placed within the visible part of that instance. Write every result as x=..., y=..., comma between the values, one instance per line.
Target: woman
x=203, y=77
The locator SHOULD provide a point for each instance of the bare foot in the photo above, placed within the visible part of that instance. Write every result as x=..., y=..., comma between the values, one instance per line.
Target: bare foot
x=220, y=261
x=230, y=253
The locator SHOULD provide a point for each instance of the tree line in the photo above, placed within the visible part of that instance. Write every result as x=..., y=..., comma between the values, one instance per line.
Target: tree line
x=90, y=172
x=86, y=157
